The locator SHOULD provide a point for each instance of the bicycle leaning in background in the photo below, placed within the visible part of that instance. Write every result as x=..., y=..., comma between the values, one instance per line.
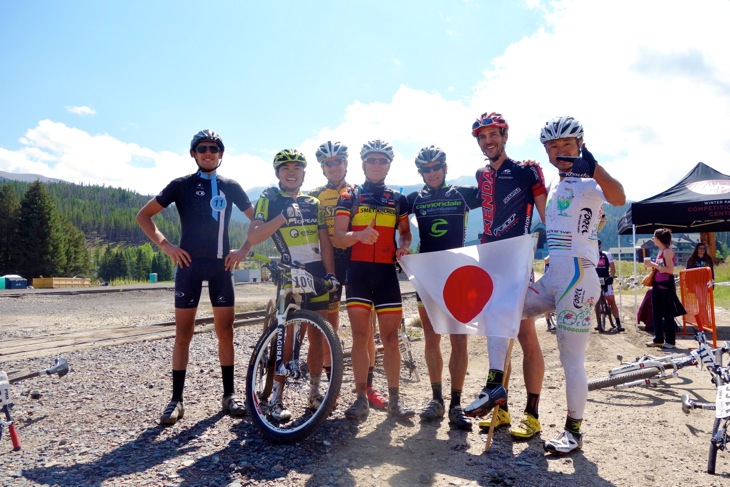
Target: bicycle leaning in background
x=282, y=353
x=721, y=378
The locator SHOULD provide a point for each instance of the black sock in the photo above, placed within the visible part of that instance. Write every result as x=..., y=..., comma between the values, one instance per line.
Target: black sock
x=494, y=378
x=455, y=399
x=370, y=376
x=618, y=322
x=328, y=371
x=533, y=401
x=178, y=384
x=227, y=373
x=437, y=393
x=393, y=393
x=573, y=425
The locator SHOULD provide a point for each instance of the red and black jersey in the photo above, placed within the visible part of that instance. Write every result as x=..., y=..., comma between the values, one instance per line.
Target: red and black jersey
x=508, y=197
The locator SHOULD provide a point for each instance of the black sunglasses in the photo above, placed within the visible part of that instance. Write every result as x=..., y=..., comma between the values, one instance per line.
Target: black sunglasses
x=437, y=167
x=333, y=162
x=202, y=149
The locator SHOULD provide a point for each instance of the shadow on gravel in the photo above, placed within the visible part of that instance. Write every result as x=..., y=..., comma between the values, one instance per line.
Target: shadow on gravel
x=143, y=453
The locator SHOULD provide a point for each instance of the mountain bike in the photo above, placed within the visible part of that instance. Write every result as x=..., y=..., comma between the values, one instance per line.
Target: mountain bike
x=721, y=378
x=60, y=368
x=550, y=320
x=294, y=340
x=604, y=310
x=649, y=370
x=404, y=344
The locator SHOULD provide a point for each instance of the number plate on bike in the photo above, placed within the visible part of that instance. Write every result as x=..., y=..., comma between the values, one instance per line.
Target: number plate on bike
x=722, y=402
x=302, y=281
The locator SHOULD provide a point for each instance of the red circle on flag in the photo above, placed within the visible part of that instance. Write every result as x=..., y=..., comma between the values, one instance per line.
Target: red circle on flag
x=466, y=291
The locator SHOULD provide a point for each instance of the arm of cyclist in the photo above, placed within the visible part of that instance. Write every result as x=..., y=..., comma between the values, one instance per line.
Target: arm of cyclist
x=347, y=238
x=144, y=219
x=404, y=237
x=325, y=247
x=586, y=166
x=234, y=257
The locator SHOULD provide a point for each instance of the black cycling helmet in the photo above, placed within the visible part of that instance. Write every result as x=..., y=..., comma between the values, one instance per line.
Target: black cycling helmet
x=207, y=135
x=289, y=155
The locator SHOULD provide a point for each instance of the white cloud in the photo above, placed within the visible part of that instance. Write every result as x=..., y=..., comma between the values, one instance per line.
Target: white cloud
x=650, y=88
x=81, y=110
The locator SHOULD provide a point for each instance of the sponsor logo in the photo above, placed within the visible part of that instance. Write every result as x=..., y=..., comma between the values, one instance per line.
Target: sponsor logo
x=584, y=220
x=436, y=231
x=293, y=233
x=578, y=297
x=200, y=193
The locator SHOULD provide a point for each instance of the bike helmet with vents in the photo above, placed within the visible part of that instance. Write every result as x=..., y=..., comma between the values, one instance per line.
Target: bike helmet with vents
x=330, y=150
x=488, y=120
x=377, y=146
x=560, y=128
x=207, y=136
x=430, y=154
x=289, y=155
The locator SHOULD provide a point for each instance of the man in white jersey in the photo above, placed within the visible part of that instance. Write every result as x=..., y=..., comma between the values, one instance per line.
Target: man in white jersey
x=571, y=286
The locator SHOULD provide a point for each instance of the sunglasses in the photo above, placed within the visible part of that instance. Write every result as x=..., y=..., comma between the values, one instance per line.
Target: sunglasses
x=380, y=160
x=202, y=149
x=437, y=167
x=333, y=163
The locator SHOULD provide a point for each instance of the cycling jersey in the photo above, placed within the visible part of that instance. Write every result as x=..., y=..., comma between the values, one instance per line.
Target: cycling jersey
x=388, y=207
x=603, y=266
x=442, y=215
x=508, y=196
x=298, y=239
x=573, y=211
x=202, y=200
x=328, y=196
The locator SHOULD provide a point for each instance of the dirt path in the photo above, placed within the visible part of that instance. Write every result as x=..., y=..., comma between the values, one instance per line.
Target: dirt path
x=97, y=426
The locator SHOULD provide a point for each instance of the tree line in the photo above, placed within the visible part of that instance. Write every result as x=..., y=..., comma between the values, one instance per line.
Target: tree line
x=63, y=230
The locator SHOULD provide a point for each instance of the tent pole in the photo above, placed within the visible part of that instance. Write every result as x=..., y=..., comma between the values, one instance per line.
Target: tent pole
x=636, y=288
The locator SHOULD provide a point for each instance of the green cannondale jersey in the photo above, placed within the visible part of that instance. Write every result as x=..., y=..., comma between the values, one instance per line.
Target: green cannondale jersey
x=298, y=239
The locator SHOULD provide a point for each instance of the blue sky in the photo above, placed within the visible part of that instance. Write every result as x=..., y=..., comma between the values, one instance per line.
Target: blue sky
x=111, y=92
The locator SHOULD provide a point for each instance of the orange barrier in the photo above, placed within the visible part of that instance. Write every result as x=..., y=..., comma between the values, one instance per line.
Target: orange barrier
x=698, y=299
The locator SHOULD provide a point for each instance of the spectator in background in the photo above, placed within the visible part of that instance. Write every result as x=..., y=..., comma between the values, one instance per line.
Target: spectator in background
x=700, y=258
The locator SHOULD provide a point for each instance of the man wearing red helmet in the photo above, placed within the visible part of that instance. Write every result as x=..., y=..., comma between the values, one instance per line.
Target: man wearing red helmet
x=509, y=192
x=204, y=201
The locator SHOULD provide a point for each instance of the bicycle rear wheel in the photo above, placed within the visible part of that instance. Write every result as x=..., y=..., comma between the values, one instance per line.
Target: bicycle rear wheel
x=619, y=379
x=306, y=417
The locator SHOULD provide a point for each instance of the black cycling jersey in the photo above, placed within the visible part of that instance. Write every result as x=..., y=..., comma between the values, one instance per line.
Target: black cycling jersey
x=203, y=202
x=508, y=196
x=442, y=215
x=603, y=266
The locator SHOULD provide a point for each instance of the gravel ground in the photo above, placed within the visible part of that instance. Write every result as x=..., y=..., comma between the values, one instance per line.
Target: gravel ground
x=98, y=425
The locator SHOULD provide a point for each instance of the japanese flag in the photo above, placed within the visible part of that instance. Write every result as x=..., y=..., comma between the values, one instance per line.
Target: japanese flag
x=477, y=290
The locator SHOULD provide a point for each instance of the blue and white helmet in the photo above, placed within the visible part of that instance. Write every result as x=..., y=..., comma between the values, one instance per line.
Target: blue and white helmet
x=330, y=150
x=377, y=146
x=430, y=154
x=561, y=128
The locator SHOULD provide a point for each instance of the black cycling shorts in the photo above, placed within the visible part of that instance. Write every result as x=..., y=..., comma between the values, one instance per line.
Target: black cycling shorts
x=189, y=283
x=370, y=283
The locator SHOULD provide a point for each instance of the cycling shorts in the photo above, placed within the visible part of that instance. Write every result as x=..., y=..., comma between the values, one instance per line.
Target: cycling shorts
x=608, y=291
x=189, y=283
x=373, y=284
x=341, y=263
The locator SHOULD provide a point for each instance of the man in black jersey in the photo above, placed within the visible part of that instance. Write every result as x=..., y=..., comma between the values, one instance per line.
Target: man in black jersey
x=204, y=201
x=509, y=192
x=606, y=270
x=441, y=211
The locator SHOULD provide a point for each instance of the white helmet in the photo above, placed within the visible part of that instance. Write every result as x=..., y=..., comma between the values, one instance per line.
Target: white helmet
x=561, y=128
x=430, y=154
x=330, y=150
x=378, y=146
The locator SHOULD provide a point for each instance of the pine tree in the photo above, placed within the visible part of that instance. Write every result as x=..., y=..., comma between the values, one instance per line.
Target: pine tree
x=9, y=212
x=40, y=241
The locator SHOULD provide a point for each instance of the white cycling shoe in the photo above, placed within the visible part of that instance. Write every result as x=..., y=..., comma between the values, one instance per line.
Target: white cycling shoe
x=565, y=442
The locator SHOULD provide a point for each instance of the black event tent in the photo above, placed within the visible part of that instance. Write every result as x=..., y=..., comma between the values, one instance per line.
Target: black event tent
x=699, y=202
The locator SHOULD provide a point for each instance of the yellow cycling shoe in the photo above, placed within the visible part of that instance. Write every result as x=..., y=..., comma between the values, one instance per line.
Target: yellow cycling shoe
x=503, y=419
x=528, y=427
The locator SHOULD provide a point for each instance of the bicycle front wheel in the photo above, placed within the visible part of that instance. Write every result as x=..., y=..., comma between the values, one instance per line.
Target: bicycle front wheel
x=619, y=379
x=306, y=332
x=712, y=457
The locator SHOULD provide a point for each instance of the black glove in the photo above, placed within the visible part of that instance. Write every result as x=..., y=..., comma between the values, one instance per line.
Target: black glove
x=334, y=283
x=583, y=167
x=609, y=281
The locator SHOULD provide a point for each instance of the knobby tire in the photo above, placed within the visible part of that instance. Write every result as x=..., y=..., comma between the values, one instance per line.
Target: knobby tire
x=616, y=380
x=712, y=457
x=260, y=379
